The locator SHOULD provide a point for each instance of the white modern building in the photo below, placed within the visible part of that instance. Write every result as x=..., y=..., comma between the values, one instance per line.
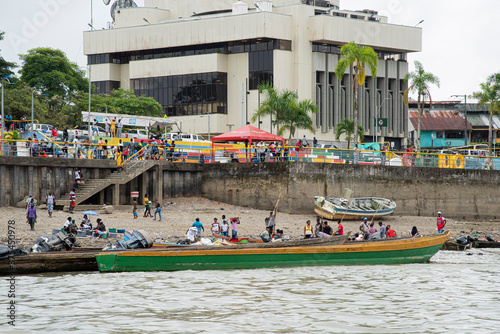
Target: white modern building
x=200, y=57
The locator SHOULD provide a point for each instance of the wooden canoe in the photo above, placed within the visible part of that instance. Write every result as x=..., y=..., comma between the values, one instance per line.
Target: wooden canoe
x=353, y=209
x=385, y=251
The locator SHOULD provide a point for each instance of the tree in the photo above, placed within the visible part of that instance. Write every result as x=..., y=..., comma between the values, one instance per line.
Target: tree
x=288, y=113
x=358, y=57
x=297, y=117
x=420, y=81
x=5, y=66
x=50, y=72
x=489, y=95
x=346, y=127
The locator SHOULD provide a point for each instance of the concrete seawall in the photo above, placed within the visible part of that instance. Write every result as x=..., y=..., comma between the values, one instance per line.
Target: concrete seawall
x=417, y=191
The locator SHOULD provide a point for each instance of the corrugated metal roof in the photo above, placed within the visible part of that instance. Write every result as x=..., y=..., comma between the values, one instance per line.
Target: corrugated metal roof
x=438, y=120
x=476, y=121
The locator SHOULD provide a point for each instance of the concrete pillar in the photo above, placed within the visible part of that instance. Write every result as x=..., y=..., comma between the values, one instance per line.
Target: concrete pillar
x=116, y=194
x=159, y=183
x=102, y=193
x=144, y=185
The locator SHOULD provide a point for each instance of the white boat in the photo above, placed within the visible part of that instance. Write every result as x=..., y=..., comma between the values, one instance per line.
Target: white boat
x=356, y=208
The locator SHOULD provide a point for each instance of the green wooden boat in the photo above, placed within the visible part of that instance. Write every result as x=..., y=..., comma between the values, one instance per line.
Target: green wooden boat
x=386, y=251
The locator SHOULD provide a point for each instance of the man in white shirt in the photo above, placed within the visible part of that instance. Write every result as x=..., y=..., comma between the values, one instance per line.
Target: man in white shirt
x=191, y=234
x=119, y=127
x=50, y=199
x=76, y=153
x=215, y=226
x=95, y=129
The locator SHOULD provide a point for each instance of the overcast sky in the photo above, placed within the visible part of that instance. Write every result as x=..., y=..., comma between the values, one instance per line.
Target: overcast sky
x=459, y=37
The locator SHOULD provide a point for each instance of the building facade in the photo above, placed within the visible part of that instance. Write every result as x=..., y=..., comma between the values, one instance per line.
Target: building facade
x=202, y=58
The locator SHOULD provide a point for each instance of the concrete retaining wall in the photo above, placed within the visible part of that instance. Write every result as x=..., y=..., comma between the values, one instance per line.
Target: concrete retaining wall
x=21, y=176
x=417, y=191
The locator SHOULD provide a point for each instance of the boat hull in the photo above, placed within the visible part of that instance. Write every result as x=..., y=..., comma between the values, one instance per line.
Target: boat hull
x=379, y=252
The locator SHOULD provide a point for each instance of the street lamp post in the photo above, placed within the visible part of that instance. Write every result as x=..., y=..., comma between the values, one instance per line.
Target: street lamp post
x=3, y=114
x=465, y=115
x=33, y=111
x=242, y=100
x=90, y=95
x=376, y=117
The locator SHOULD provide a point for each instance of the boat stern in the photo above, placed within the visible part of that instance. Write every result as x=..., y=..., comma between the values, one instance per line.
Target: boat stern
x=106, y=262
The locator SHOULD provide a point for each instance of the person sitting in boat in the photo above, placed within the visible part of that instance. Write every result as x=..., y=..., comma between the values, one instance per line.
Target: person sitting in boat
x=340, y=228
x=100, y=228
x=266, y=235
x=308, y=230
x=390, y=232
x=441, y=223
x=414, y=232
x=327, y=229
x=372, y=231
x=278, y=235
x=364, y=227
x=358, y=236
x=318, y=227
x=215, y=226
x=224, y=226
x=191, y=234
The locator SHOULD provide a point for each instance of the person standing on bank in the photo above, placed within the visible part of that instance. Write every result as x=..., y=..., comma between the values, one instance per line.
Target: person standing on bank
x=157, y=210
x=441, y=222
x=31, y=216
x=72, y=200
x=51, y=201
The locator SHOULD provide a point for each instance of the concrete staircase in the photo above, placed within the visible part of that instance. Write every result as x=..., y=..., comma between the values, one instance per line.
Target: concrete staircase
x=132, y=170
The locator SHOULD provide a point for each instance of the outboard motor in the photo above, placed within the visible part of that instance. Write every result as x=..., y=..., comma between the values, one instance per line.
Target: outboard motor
x=60, y=241
x=133, y=239
x=462, y=240
x=6, y=252
x=490, y=238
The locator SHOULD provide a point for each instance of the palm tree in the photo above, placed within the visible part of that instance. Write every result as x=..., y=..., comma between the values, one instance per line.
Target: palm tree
x=420, y=81
x=288, y=113
x=346, y=127
x=490, y=95
x=297, y=117
x=356, y=56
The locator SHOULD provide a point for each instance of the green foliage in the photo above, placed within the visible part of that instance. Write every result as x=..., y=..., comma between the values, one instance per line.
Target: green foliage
x=358, y=57
x=346, y=127
x=420, y=82
x=5, y=66
x=489, y=94
x=50, y=71
x=17, y=102
x=288, y=114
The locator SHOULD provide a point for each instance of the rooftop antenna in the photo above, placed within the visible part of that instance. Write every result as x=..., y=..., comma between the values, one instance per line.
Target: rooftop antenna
x=419, y=23
x=119, y=4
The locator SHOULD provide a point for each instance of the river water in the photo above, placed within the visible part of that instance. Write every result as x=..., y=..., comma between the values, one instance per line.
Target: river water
x=455, y=293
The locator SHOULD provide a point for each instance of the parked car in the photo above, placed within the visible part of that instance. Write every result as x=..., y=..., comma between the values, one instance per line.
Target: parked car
x=190, y=137
x=136, y=134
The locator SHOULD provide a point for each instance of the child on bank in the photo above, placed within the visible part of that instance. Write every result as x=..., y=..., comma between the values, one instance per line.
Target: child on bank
x=134, y=209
